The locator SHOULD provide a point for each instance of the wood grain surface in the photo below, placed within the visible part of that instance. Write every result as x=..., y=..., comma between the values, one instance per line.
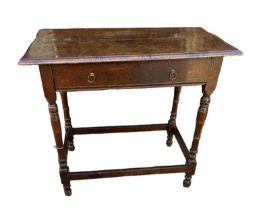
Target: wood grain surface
x=63, y=46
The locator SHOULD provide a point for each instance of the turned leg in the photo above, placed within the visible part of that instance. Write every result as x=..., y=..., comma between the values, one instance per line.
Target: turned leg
x=62, y=159
x=200, y=120
x=50, y=94
x=68, y=126
x=172, y=120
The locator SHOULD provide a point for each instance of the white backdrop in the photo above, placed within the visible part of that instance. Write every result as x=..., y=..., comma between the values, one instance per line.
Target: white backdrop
x=227, y=172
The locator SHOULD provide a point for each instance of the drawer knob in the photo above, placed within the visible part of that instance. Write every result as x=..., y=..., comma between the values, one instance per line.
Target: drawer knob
x=172, y=74
x=91, y=77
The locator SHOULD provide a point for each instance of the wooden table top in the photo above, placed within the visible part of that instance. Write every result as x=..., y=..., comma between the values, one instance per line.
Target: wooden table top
x=69, y=46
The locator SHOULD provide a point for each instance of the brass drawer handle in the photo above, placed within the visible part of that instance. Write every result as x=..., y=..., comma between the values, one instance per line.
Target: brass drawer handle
x=91, y=77
x=172, y=74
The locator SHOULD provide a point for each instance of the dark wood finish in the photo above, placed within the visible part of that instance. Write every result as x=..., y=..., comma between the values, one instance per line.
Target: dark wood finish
x=59, y=46
x=92, y=59
x=181, y=142
x=172, y=120
x=50, y=94
x=68, y=126
x=213, y=75
x=119, y=129
x=126, y=172
x=130, y=74
x=200, y=120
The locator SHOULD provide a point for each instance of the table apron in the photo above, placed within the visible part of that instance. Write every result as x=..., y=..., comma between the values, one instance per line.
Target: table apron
x=89, y=76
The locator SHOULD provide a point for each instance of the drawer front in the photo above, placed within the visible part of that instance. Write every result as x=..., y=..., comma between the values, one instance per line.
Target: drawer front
x=130, y=74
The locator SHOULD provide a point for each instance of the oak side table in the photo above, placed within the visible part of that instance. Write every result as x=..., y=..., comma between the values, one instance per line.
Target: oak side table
x=96, y=59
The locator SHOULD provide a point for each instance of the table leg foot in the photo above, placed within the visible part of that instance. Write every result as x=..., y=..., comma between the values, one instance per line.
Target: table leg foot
x=67, y=190
x=169, y=141
x=71, y=146
x=187, y=181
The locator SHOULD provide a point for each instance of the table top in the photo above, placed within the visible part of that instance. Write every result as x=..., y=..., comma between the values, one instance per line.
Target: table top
x=69, y=46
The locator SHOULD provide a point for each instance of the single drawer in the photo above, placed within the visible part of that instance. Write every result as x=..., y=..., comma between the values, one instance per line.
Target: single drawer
x=130, y=74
